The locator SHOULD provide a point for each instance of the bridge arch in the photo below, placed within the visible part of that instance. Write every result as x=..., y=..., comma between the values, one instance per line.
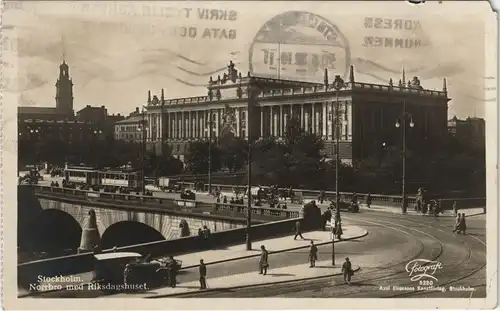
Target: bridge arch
x=52, y=231
x=129, y=232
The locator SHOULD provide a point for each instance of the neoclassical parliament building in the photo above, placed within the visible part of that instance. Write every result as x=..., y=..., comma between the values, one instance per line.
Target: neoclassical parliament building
x=367, y=113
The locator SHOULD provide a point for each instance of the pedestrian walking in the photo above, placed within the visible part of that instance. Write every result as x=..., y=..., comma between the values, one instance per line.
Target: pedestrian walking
x=339, y=231
x=313, y=255
x=369, y=200
x=463, y=225
x=455, y=209
x=172, y=272
x=347, y=271
x=127, y=275
x=457, y=223
x=203, y=275
x=321, y=196
x=298, y=232
x=263, y=263
x=327, y=216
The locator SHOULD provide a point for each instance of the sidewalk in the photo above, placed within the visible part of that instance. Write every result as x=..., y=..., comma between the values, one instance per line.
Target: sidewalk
x=278, y=275
x=231, y=253
x=411, y=211
x=374, y=207
x=274, y=245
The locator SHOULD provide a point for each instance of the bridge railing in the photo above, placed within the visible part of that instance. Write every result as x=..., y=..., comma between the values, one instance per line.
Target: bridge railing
x=388, y=200
x=376, y=199
x=185, y=205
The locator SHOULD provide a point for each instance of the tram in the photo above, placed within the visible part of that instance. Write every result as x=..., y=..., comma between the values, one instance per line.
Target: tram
x=81, y=175
x=126, y=178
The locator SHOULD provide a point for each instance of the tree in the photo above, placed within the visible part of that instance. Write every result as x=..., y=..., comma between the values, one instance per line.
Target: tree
x=164, y=164
x=269, y=161
x=291, y=162
x=197, y=157
x=234, y=151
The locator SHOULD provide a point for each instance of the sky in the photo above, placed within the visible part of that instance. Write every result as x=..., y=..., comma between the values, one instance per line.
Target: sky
x=117, y=51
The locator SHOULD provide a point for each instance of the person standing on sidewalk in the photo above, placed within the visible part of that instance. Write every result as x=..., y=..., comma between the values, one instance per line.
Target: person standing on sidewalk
x=203, y=275
x=455, y=209
x=313, y=255
x=263, y=263
x=298, y=232
x=327, y=216
x=457, y=224
x=369, y=200
x=347, y=271
x=172, y=272
x=462, y=226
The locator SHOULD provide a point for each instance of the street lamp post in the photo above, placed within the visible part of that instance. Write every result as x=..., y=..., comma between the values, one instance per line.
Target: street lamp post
x=405, y=117
x=143, y=150
x=97, y=134
x=252, y=92
x=210, y=130
x=338, y=84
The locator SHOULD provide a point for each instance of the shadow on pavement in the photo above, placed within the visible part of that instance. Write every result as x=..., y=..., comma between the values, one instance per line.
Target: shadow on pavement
x=361, y=284
x=189, y=287
x=327, y=267
x=280, y=274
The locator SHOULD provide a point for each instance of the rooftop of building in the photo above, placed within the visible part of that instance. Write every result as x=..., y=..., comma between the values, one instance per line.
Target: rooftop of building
x=130, y=120
x=468, y=119
x=39, y=110
x=219, y=90
x=40, y=121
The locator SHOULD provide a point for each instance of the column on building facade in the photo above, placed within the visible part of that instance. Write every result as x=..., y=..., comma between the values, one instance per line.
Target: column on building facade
x=261, y=121
x=190, y=125
x=196, y=124
x=171, y=125
x=286, y=116
x=348, y=119
x=282, y=128
x=271, y=121
x=313, y=120
x=166, y=129
x=217, y=122
x=247, y=119
x=238, y=120
x=148, y=127
x=307, y=119
x=176, y=125
x=179, y=124
x=207, y=124
x=185, y=124
x=158, y=127
x=325, y=121
x=277, y=117
x=302, y=115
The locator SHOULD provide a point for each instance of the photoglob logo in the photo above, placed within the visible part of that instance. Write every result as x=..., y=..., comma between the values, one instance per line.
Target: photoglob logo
x=423, y=268
x=299, y=45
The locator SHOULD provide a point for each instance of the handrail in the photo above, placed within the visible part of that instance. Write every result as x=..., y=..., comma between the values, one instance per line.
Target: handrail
x=190, y=204
x=375, y=198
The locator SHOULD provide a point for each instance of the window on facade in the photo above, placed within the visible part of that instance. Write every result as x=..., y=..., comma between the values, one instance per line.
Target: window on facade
x=178, y=147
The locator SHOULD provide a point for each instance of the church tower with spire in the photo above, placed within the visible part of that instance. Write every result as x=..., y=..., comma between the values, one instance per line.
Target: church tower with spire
x=64, y=90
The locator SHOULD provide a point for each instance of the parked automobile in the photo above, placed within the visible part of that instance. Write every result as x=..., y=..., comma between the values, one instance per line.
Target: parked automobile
x=351, y=207
x=109, y=269
x=188, y=195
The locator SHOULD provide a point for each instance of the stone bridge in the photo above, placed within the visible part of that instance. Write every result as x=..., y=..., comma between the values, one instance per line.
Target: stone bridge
x=52, y=225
